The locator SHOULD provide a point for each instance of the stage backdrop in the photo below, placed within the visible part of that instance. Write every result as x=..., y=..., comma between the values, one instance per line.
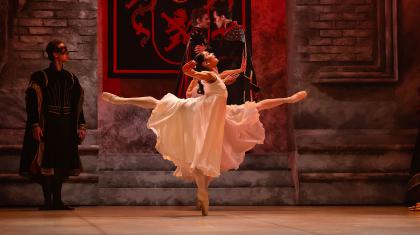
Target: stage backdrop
x=123, y=128
x=147, y=38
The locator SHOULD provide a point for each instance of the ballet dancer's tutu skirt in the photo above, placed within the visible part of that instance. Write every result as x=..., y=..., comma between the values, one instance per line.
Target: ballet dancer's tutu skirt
x=204, y=133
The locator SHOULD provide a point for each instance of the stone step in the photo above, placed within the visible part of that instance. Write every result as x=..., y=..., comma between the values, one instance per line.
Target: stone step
x=165, y=179
x=16, y=190
x=15, y=149
x=186, y=196
x=354, y=139
x=352, y=192
x=10, y=158
x=356, y=162
x=352, y=188
x=351, y=148
x=342, y=177
x=16, y=178
x=153, y=162
x=15, y=137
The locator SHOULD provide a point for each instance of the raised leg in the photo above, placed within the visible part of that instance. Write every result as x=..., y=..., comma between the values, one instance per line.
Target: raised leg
x=272, y=103
x=146, y=102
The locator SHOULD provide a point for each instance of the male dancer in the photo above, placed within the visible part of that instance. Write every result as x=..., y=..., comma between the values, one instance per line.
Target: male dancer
x=54, y=128
x=229, y=45
x=197, y=43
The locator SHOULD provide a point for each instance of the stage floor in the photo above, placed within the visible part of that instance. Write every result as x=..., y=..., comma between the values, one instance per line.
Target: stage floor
x=289, y=220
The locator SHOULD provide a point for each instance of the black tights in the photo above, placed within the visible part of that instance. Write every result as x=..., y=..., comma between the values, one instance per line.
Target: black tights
x=51, y=188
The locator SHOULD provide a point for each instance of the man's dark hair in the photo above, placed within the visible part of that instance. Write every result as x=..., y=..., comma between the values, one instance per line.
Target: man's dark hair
x=198, y=14
x=52, y=47
x=222, y=9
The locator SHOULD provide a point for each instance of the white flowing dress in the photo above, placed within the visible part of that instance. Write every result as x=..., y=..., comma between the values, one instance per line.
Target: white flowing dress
x=203, y=132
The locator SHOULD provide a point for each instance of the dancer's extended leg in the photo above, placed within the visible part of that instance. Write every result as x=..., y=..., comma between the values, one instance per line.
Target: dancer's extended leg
x=272, y=103
x=146, y=102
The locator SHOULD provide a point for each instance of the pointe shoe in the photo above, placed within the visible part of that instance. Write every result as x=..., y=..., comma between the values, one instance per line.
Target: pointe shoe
x=204, y=204
x=297, y=97
x=204, y=208
x=108, y=97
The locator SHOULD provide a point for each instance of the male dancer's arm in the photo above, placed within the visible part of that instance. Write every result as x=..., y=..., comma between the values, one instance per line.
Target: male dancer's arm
x=77, y=95
x=31, y=100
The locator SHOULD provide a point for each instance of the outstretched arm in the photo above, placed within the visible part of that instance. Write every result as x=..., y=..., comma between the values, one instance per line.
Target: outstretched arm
x=226, y=73
x=146, y=102
x=188, y=69
x=234, y=72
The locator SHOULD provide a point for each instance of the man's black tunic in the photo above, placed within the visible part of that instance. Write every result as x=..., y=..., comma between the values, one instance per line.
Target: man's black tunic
x=54, y=101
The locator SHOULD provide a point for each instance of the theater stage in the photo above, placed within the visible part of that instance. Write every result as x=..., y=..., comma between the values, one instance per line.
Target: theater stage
x=288, y=220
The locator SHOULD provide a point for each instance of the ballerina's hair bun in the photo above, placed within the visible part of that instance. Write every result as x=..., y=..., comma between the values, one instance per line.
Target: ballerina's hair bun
x=199, y=59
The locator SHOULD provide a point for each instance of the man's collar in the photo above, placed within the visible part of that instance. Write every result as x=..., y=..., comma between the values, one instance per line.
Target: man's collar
x=53, y=68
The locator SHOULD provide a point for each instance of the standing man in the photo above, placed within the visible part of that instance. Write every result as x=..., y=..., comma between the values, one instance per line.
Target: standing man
x=197, y=43
x=230, y=47
x=55, y=126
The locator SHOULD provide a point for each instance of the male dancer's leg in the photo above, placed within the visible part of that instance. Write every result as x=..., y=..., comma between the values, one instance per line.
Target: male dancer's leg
x=47, y=184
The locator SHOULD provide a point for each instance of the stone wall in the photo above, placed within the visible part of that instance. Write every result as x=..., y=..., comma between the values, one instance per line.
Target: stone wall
x=345, y=36
x=355, y=133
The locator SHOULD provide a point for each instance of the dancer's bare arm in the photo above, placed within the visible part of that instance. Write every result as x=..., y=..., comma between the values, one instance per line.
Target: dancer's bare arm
x=188, y=69
x=190, y=88
x=233, y=72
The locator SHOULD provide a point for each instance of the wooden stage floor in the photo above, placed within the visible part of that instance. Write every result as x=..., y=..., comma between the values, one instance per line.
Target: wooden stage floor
x=288, y=220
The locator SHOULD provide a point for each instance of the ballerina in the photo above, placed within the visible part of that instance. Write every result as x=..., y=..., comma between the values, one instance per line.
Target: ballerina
x=203, y=136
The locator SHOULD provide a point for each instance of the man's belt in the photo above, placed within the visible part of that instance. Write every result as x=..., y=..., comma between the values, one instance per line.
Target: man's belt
x=59, y=110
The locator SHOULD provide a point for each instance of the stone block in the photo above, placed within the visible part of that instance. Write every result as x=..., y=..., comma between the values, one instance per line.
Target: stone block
x=331, y=33
x=55, y=22
x=30, y=22
x=31, y=54
x=40, y=30
x=42, y=14
x=357, y=33
x=82, y=23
